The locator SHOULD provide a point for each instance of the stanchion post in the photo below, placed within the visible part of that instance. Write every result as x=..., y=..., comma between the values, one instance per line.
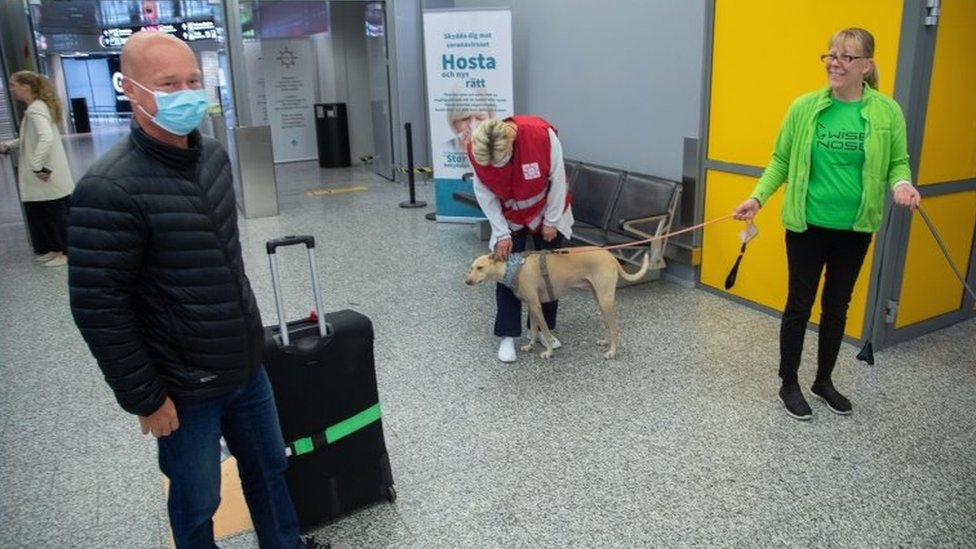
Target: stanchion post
x=412, y=203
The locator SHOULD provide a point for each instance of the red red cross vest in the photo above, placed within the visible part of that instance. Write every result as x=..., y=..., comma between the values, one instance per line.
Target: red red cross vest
x=522, y=184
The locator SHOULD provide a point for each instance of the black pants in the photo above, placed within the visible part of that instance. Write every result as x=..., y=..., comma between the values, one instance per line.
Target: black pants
x=508, y=319
x=47, y=222
x=842, y=253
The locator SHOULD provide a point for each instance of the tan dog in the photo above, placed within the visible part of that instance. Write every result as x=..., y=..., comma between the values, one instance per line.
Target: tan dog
x=583, y=267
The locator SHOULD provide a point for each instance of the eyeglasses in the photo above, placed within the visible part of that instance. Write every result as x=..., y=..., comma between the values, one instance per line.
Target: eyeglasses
x=844, y=59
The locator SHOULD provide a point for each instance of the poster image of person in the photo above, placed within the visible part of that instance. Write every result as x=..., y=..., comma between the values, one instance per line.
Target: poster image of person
x=464, y=112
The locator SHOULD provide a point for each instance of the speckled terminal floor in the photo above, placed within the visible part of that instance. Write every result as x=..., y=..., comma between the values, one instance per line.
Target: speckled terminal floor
x=678, y=442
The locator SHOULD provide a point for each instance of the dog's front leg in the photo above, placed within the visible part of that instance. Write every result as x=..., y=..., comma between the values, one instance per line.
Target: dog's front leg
x=537, y=322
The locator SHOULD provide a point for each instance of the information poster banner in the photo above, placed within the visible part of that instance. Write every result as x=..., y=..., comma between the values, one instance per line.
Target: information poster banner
x=289, y=69
x=257, y=99
x=210, y=67
x=468, y=57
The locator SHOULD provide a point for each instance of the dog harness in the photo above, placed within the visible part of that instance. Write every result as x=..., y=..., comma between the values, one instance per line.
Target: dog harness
x=512, y=268
x=544, y=270
x=514, y=265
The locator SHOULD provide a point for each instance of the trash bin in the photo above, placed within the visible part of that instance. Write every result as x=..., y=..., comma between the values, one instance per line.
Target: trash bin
x=332, y=134
x=79, y=113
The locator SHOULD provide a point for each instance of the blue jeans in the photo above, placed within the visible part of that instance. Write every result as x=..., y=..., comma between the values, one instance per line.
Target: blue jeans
x=190, y=457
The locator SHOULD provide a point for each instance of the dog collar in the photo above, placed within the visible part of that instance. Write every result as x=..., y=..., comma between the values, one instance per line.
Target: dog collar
x=512, y=266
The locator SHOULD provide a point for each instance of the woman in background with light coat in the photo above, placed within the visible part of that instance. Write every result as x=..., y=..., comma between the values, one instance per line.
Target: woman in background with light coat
x=45, y=178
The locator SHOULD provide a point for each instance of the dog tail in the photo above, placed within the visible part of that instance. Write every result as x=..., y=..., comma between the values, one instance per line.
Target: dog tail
x=639, y=274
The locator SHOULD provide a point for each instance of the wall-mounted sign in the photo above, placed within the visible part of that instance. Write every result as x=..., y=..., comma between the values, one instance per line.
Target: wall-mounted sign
x=289, y=69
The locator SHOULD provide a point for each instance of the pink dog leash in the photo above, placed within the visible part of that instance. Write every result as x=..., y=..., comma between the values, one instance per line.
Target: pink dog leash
x=639, y=243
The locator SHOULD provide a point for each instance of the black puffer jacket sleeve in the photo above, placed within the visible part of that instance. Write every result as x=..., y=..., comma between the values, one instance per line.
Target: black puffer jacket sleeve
x=107, y=237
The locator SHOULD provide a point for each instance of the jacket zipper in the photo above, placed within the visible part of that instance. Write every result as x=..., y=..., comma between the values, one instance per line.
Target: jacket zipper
x=223, y=250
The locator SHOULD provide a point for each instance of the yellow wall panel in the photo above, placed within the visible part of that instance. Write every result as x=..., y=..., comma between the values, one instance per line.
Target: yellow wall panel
x=762, y=275
x=766, y=53
x=949, y=141
x=929, y=287
x=764, y=56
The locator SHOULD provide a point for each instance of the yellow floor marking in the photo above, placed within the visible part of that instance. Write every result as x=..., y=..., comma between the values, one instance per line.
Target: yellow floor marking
x=320, y=192
x=232, y=516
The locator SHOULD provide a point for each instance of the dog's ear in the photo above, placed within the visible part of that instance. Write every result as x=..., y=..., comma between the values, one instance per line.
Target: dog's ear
x=493, y=257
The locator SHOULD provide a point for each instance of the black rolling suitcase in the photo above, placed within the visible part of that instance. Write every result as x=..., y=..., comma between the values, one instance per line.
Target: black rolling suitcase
x=324, y=381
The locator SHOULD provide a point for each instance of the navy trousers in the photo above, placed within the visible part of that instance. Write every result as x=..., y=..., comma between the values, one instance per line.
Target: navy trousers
x=508, y=319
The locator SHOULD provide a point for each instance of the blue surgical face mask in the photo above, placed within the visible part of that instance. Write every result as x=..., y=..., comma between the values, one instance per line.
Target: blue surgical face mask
x=178, y=112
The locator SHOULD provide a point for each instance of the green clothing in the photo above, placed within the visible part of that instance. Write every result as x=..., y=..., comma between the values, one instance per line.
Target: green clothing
x=885, y=157
x=834, y=193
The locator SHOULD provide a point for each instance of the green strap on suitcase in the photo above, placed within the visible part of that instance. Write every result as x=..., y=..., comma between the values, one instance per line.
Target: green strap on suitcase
x=335, y=432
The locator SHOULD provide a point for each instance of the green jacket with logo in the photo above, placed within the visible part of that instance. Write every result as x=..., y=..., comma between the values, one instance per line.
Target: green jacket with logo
x=885, y=157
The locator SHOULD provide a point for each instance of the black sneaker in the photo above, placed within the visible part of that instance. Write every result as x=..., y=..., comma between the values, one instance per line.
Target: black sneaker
x=838, y=403
x=796, y=405
x=312, y=543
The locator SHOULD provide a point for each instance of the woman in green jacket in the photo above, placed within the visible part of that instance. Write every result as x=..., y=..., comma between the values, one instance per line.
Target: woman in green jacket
x=840, y=148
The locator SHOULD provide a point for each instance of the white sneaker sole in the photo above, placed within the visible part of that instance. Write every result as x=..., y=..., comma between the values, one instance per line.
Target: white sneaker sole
x=831, y=408
x=792, y=415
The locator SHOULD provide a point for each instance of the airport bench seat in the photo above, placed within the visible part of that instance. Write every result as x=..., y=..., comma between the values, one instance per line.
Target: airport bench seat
x=615, y=207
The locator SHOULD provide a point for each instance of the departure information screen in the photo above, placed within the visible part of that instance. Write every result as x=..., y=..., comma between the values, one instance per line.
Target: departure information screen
x=189, y=31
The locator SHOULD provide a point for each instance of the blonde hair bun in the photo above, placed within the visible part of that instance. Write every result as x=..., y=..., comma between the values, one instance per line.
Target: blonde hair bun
x=492, y=141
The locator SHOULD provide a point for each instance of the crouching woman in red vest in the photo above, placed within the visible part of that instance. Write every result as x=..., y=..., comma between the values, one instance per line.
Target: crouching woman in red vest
x=520, y=183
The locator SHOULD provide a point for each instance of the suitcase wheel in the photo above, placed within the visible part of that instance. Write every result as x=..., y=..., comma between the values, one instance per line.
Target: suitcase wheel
x=391, y=493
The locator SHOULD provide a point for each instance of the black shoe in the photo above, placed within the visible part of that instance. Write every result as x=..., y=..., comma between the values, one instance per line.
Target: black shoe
x=312, y=543
x=838, y=403
x=796, y=405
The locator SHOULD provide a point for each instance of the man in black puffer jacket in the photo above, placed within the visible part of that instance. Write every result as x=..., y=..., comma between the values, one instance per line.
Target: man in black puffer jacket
x=159, y=293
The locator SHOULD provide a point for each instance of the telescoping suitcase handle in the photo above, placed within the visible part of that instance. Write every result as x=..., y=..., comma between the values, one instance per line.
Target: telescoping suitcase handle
x=272, y=247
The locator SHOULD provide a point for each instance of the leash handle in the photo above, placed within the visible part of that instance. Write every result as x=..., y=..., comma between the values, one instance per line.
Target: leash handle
x=730, y=280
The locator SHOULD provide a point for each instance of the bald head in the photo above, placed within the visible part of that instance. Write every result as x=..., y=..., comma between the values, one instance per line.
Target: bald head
x=157, y=62
x=144, y=50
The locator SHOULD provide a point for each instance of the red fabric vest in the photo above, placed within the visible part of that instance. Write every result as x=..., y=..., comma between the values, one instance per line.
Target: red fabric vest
x=522, y=184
